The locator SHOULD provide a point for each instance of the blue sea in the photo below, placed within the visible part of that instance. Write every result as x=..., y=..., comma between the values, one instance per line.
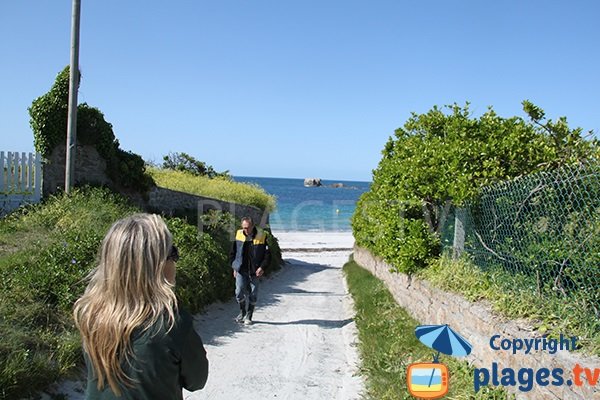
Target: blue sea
x=299, y=208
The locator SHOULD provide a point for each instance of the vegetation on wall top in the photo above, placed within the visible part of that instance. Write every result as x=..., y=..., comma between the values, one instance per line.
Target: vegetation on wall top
x=187, y=163
x=48, y=120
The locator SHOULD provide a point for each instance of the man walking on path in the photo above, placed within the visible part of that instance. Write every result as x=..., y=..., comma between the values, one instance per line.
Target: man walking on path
x=249, y=258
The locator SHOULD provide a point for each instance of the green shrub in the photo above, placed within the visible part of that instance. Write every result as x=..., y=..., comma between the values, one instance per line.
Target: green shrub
x=48, y=120
x=93, y=129
x=185, y=162
x=56, y=275
x=203, y=273
x=440, y=159
x=394, y=230
x=49, y=115
x=276, y=256
x=128, y=170
x=48, y=250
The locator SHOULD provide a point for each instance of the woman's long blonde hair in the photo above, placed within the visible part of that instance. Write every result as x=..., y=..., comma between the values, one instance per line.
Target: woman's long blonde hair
x=127, y=290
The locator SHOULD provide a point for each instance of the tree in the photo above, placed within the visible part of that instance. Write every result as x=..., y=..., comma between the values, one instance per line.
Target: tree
x=568, y=145
x=439, y=159
x=187, y=163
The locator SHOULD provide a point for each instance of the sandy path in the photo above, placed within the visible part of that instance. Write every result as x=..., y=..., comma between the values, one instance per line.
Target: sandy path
x=302, y=344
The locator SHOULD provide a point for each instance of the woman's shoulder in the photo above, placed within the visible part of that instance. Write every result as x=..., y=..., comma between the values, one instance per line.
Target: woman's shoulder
x=178, y=337
x=163, y=331
x=183, y=321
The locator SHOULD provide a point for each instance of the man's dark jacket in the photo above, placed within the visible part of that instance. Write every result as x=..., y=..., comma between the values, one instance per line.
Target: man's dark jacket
x=250, y=253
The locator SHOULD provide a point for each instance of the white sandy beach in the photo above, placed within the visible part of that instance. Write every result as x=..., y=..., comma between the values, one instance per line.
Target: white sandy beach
x=314, y=240
x=303, y=344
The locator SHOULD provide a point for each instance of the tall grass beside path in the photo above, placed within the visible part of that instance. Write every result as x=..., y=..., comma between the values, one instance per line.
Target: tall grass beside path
x=47, y=250
x=388, y=344
x=217, y=188
x=516, y=296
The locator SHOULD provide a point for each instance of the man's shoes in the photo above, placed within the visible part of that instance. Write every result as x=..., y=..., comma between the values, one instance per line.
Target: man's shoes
x=242, y=315
x=248, y=317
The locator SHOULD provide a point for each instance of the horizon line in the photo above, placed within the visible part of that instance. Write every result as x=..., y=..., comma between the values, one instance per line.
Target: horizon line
x=286, y=177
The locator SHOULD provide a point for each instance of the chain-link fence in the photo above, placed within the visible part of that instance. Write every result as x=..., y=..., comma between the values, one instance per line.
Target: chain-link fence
x=543, y=227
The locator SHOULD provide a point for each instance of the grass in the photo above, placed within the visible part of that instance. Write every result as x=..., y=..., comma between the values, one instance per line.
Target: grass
x=46, y=250
x=36, y=226
x=217, y=188
x=516, y=296
x=388, y=344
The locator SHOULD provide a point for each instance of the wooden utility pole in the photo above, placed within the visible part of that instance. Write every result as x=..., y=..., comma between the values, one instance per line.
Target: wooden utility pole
x=73, y=88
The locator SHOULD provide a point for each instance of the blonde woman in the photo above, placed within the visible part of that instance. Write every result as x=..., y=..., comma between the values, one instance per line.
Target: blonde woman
x=137, y=343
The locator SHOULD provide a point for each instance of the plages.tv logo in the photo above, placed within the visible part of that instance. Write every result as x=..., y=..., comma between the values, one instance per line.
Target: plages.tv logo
x=430, y=380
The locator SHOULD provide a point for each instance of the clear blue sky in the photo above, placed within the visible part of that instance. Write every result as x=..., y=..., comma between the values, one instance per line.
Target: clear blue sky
x=297, y=88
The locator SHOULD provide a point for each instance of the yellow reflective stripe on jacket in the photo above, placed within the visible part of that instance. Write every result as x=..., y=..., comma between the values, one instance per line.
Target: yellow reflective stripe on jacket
x=260, y=238
x=239, y=236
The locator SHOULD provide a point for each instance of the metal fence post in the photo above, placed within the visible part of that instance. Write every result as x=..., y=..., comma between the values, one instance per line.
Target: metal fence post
x=459, y=232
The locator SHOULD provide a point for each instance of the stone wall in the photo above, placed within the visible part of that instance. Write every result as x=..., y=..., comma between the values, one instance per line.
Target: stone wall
x=477, y=323
x=172, y=202
x=90, y=168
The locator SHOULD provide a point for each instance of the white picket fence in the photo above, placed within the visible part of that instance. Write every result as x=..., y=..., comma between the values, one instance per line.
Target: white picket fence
x=20, y=180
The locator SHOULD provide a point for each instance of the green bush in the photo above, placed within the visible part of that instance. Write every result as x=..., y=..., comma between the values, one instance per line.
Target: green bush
x=394, y=230
x=185, y=162
x=203, y=271
x=49, y=115
x=442, y=159
x=93, y=129
x=220, y=225
x=47, y=251
x=50, y=248
x=56, y=275
x=48, y=120
x=128, y=170
x=276, y=256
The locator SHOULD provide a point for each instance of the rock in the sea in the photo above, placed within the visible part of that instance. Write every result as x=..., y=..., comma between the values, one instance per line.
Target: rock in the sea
x=310, y=182
x=337, y=185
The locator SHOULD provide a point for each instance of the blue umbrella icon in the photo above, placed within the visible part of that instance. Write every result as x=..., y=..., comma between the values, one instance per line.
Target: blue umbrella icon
x=443, y=339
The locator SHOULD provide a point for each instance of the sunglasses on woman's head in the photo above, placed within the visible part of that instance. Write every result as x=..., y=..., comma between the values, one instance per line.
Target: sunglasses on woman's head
x=173, y=254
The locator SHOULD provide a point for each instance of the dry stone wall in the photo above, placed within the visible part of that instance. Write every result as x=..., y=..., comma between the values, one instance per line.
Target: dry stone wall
x=90, y=168
x=477, y=323
x=173, y=202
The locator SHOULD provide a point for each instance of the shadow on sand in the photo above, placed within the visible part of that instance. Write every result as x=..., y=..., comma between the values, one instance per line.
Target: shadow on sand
x=217, y=323
x=323, y=323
